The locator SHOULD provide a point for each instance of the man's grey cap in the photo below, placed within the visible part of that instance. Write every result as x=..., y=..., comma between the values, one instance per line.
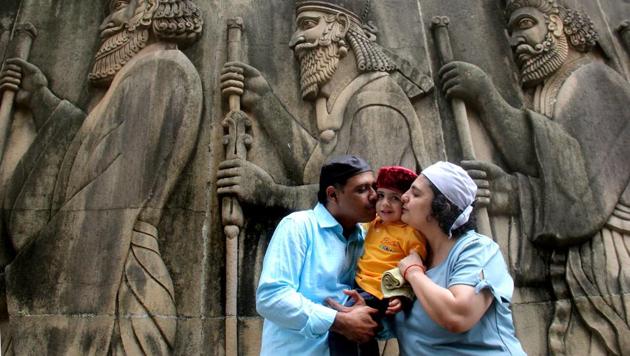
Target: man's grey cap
x=339, y=169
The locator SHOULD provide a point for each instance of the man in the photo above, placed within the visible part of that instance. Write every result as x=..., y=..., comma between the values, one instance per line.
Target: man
x=569, y=155
x=82, y=209
x=346, y=74
x=312, y=257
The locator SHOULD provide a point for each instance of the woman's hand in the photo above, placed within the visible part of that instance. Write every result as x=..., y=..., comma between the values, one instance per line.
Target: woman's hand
x=409, y=263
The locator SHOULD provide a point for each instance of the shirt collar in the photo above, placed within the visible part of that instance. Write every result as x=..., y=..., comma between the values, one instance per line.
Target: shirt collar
x=379, y=222
x=327, y=221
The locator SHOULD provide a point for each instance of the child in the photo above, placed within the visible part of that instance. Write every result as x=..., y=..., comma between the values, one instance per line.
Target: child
x=388, y=241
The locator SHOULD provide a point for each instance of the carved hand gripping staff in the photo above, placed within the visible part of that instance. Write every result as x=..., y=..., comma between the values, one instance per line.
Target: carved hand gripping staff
x=439, y=27
x=236, y=126
x=22, y=40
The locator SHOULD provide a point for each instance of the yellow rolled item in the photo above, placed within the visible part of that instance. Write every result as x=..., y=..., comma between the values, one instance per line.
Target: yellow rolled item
x=394, y=285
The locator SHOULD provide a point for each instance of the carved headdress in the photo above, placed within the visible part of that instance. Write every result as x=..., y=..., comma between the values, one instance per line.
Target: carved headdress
x=578, y=27
x=357, y=10
x=361, y=37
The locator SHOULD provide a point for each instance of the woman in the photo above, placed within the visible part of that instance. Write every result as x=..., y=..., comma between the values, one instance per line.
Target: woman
x=464, y=291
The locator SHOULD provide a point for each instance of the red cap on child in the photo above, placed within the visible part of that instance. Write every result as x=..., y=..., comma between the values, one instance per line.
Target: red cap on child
x=395, y=177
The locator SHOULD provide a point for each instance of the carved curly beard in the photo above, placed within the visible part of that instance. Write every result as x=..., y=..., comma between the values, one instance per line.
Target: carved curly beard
x=115, y=51
x=318, y=63
x=545, y=59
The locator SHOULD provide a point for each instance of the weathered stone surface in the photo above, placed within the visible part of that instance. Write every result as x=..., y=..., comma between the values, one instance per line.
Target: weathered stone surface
x=190, y=233
x=564, y=191
x=87, y=197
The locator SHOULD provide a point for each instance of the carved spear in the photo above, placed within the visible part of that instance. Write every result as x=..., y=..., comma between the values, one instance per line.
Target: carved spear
x=237, y=141
x=22, y=41
x=442, y=40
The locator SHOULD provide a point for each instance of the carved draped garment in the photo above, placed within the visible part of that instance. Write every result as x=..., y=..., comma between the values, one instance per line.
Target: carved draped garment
x=580, y=202
x=376, y=121
x=82, y=210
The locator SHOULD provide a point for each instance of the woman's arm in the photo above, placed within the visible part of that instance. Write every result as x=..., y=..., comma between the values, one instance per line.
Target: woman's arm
x=457, y=309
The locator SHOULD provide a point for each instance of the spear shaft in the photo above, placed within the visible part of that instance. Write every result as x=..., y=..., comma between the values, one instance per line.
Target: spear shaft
x=442, y=40
x=236, y=141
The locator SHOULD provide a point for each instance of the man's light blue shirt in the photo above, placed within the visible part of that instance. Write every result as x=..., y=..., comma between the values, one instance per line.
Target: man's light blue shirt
x=307, y=261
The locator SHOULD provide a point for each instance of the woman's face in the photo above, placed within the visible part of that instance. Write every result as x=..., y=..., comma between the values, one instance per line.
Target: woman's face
x=416, y=207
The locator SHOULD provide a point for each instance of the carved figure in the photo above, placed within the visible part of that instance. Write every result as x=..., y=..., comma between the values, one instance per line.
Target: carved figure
x=82, y=209
x=624, y=34
x=360, y=109
x=569, y=158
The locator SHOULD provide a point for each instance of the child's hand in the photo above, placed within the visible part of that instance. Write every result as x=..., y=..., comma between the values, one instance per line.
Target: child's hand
x=395, y=305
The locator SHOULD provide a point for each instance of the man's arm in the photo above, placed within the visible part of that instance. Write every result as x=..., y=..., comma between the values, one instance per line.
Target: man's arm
x=277, y=298
x=355, y=322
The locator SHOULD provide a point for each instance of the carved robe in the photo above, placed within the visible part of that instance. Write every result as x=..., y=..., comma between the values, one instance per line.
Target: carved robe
x=578, y=202
x=82, y=209
x=373, y=118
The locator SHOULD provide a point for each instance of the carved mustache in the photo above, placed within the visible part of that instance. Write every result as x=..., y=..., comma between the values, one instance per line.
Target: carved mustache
x=110, y=30
x=524, y=51
x=301, y=48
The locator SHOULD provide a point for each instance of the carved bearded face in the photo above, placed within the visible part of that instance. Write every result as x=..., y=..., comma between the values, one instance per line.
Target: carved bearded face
x=120, y=41
x=315, y=44
x=540, y=47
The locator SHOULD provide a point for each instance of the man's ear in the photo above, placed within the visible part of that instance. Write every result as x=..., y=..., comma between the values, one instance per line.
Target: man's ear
x=556, y=26
x=331, y=193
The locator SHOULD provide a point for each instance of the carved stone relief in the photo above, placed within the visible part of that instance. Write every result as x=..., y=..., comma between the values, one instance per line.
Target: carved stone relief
x=351, y=83
x=624, y=33
x=81, y=210
x=346, y=77
x=568, y=200
x=114, y=200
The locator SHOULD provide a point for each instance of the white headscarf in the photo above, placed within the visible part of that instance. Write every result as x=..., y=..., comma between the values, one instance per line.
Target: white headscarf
x=456, y=185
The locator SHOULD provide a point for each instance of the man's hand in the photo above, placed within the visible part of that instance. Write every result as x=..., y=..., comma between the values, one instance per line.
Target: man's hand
x=465, y=81
x=497, y=189
x=24, y=78
x=248, y=182
x=355, y=322
x=395, y=305
x=238, y=78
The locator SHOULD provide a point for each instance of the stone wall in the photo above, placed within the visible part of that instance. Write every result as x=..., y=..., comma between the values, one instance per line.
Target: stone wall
x=191, y=238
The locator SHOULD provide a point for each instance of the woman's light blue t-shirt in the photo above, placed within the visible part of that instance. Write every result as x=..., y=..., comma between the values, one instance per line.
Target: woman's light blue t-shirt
x=474, y=260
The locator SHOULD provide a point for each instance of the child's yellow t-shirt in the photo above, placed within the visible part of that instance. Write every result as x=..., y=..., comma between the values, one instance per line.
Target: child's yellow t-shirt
x=385, y=245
